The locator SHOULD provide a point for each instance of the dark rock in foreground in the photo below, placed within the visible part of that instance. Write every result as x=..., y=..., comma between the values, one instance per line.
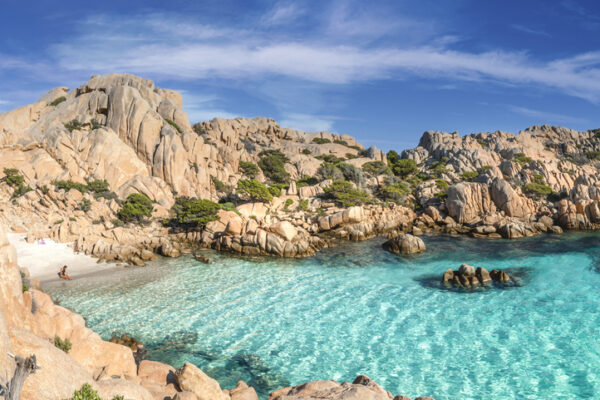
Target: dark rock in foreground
x=363, y=388
x=467, y=276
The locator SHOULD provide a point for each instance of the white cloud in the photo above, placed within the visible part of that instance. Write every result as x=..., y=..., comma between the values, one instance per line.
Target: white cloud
x=547, y=117
x=203, y=107
x=154, y=48
x=530, y=30
x=307, y=122
x=283, y=13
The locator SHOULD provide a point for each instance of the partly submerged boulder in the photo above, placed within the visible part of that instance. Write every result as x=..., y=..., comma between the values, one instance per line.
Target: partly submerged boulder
x=405, y=244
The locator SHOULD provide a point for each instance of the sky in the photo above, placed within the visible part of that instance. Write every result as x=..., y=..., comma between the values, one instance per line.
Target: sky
x=381, y=71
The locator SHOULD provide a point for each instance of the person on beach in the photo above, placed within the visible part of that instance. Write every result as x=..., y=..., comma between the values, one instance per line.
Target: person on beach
x=62, y=274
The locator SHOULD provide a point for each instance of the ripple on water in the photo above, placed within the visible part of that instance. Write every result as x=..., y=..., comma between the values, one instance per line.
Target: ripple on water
x=357, y=309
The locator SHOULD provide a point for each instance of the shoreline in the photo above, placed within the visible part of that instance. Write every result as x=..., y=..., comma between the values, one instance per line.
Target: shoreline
x=43, y=261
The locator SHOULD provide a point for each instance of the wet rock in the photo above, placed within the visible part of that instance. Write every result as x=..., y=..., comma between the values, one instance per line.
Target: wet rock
x=466, y=270
x=467, y=277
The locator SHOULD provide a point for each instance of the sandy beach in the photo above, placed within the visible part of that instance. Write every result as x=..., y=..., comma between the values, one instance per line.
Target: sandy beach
x=44, y=260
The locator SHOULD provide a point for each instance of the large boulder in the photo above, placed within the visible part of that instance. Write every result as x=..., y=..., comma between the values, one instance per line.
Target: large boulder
x=467, y=201
x=405, y=244
x=508, y=200
x=191, y=379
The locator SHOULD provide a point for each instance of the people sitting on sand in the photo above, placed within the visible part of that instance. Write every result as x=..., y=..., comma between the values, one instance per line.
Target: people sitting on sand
x=62, y=274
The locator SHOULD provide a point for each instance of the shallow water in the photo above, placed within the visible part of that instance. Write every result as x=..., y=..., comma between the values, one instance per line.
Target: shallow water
x=357, y=309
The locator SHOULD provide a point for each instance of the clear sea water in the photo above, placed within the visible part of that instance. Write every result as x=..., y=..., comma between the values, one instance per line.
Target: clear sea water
x=356, y=309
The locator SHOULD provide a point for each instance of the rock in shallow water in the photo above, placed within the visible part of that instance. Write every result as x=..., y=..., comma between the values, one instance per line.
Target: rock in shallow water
x=467, y=276
x=405, y=244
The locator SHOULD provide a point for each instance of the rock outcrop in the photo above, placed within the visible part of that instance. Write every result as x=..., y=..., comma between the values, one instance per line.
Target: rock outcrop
x=468, y=277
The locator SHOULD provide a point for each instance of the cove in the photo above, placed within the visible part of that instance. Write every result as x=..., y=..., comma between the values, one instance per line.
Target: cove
x=357, y=309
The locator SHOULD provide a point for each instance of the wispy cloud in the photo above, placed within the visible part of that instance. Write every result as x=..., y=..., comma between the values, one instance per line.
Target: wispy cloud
x=284, y=12
x=530, y=30
x=546, y=117
x=204, y=108
x=153, y=48
x=307, y=122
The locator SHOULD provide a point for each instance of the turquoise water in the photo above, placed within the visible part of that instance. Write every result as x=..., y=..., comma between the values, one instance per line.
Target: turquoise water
x=357, y=309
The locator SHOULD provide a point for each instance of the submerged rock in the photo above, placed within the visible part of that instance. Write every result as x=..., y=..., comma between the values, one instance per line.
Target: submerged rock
x=467, y=276
x=405, y=244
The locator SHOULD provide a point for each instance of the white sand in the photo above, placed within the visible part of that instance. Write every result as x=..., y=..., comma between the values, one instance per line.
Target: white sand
x=44, y=260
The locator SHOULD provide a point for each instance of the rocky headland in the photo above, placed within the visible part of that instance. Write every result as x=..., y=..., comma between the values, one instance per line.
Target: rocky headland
x=115, y=168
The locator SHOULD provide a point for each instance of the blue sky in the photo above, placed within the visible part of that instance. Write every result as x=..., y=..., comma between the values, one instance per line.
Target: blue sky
x=382, y=71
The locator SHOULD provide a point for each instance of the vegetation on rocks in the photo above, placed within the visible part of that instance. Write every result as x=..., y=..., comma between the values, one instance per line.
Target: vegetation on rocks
x=253, y=190
x=249, y=169
x=136, y=208
x=522, y=159
x=72, y=125
x=220, y=187
x=439, y=167
x=306, y=151
x=396, y=193
x=174, y=125
x=346, y=195
x=306, y=181
x=14, y=179
x=64, y=345
x=593, y=155
x=68, y=185
x=303, y=205
x=330, y=158
x=85, y=205
x=404, y=168
x=58, y=101
x=538, y=190
x=272, y=163
x=88, y=393
x=319, y=140
x=329, y=171
x=190, y=212
x=352, y=174
x=376, y=168
x=469, y=175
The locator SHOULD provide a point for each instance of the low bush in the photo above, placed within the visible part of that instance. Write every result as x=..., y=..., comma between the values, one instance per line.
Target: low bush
x=469, y=175
x=537, y=190
x=25, y=288
x=68, y=185
x=352, y=174
x=485, y=168
x=220, y=187
x=329, y=171
x=85, y=205
x=194, y=212
x=88, y=393
x=330, y=158
x=98, y=186
x=522, y=159
x=319, y=140
x=593, y=155
x=14, y=179
x=376, y=168
x=306, y=151
x=344, y=193
x=58, y=101
x=395, y=193
x=174, y=125
x=306, y=181
x=404, y=167
x=64, y=345
x=272, y=163
x=287, y=204
x=342, y=142
x=253, y=190
x=249, y=169
x=275, y=191
x=303, y=205
x=136, y=208
x=72, y=125
x=439, y=167
x=554, y=197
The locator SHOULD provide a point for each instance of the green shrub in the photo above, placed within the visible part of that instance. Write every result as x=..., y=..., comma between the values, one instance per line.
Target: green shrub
x=72, y=219
x=469, y=175
x=25, y=288
x=343, y=193
x=395, y=193
x=593, y=155
x=44, y=189
x=64, y=345
x=352, y=173
x=538, y=190
x=376, y=168
x=306, y=181
x=86, y=393
x=306, y=151
x=483, y=143
x=253, y=190
x=58, y=222
x=330, y=158
x=68, y=185
x=522, y=159
x=58, y=101
x=329, y=171
x=174, y=125
x=98, y=186
x=72, y=125
x=485, y=168
x=96, y=124
x=228, y=207
x=117, y=222
x=194, y=212
x=392, y=157
x=441, y=184
x=272, y=163
x=220, y=187
x=554, y=197
x=275, y=191
x=439, y=167
x=403, y=167
x=287, y=204
x=350, y=156
x=85, y=205
x=303, y=204
x=136, y=207
x=249, y=169
x=319, y=140
x=342, y=142
x=17, y=181
x=199, y=128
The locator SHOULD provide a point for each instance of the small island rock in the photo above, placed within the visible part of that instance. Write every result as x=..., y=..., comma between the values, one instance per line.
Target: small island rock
x=405, y=244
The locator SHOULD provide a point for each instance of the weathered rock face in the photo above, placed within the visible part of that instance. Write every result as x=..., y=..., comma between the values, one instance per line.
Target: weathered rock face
x=405, y=244
x=190, y=378
x=468, y=201
x=362, y=388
